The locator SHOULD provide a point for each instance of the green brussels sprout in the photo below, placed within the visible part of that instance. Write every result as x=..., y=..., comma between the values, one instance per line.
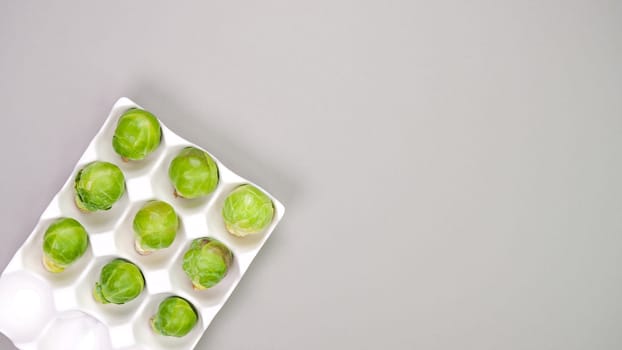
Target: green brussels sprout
x=175, y=317
x=193, y=173
x=206, y=262
x=247, y=210
x=155, y=226
x=64, y=242
x=98, y=186
x=120, y=281
x=138, y=133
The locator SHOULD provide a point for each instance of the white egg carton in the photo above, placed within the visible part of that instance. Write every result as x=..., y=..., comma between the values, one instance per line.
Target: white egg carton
x=111, y=236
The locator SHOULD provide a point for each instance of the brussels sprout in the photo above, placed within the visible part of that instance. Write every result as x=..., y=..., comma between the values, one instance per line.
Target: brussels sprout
x=206, y=262
x=64, y=242
x=138, y=133
x=120, y=281
x=155, y=226
x=193, y=173
x=247, y=210
x=98, y=186
x=175, y=317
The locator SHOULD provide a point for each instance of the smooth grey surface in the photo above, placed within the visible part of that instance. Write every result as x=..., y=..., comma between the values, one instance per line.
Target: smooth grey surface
x=451, y=169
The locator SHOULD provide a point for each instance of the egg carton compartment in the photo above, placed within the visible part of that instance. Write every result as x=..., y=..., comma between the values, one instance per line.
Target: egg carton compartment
x=125, y=238
x=164, y=190
x=245, y=247
x=61, y=299
x=66, y=324
x=109, y=314
x=208, y=298
x=33, y=260
x=102, y=146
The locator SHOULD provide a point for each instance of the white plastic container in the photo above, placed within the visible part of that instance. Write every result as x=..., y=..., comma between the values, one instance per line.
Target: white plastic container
x=111, y=236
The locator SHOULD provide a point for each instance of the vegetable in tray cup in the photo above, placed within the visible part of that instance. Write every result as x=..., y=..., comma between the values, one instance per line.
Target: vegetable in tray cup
x=66, y=238
x=155, y=227
x=120, y=282
x=138, y=133
x=207, y=262
x=98, y=186
x=64, y=242
x=247, y=210
x=176, y=317
x=193, y=173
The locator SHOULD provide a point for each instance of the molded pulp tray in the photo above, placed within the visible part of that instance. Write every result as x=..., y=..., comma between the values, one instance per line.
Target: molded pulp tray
x=111, y=235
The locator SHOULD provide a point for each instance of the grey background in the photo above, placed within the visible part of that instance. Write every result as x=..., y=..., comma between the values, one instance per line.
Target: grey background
x=452, y=169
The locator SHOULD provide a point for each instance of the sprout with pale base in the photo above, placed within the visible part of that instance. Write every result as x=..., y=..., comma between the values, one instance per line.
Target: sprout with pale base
x=176, y=317
x=193, y=173
x=206, y=262
x=247, y=210
x=138, y=133
x=98, y=186
x=155, y=227
x=64, y=242
x=120, y=281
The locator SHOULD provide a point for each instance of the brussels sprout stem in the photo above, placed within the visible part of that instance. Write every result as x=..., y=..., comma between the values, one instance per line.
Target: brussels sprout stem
x=197, y=287
x=125, y=159
x=140, y=249
x=97, y=294
x=232, y=231
x=80, y=205
x=152, y=324
x=51, y=266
